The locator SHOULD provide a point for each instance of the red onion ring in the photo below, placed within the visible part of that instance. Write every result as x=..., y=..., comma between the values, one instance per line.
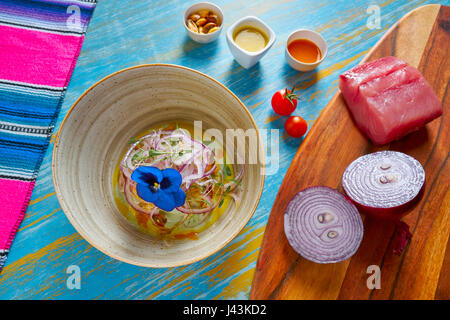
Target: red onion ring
x=131, y=198
x=200, y=211
x=322, y=225
x=383, y=180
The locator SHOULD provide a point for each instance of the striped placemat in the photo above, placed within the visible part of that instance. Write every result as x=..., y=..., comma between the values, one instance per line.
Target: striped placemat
x=40, y=41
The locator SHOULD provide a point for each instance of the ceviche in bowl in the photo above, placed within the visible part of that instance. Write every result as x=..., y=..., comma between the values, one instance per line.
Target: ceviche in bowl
x=206, y=181
x=142, y=182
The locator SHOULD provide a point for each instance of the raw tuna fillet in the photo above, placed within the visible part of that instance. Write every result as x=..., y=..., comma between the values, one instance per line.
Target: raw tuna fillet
x=388, y=99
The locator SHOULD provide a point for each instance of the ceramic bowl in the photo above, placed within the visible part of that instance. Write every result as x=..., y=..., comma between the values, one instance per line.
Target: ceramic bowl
x=245, y=58
x=96, y=131
x=198, y=37
x=311, y=36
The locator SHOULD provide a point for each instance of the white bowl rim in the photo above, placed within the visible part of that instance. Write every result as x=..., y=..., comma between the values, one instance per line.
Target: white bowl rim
x=272, y=36
x=201, y=35
x=65, y=208
x=313, y=32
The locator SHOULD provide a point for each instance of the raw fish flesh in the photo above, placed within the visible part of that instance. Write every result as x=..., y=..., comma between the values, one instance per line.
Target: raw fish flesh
x=388, y=99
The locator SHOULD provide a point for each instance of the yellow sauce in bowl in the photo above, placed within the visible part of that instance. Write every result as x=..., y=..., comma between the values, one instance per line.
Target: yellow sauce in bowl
x=250, y=39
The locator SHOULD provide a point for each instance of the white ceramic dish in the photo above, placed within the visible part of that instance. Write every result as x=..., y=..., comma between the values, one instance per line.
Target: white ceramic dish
x=94, y=134
x=245, y=58
x=198, y=37
x=309, y=35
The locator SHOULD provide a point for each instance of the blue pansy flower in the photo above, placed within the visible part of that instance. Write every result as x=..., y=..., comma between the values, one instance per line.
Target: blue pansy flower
x=160, y=187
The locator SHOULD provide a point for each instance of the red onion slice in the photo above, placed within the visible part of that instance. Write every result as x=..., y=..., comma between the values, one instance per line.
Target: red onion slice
x=383, y=180
x=133, y=201
x=322, y=225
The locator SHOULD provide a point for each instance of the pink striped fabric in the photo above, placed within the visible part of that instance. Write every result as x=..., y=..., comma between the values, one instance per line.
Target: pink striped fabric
x=39, y=45
x=33, y=63
x=13, y=195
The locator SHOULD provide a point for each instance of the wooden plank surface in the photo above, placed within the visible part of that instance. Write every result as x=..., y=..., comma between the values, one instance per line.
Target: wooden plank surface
x=333, y=143
x=123, y=34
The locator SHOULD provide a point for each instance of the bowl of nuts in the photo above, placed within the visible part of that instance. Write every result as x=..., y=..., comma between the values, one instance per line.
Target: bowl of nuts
x=203, y=22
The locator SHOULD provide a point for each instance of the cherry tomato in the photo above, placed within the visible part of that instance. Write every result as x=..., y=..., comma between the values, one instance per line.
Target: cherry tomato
x=295, y=126
x=284, y=102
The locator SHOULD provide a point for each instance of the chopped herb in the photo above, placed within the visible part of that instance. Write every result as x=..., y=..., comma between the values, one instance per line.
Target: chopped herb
x=224, y=167
x=228, y=170
x=184, y=152
x=207, y=202
x=224, y=195
x=235, y=181
x=138, y=156
x=153, y=153
x=132, y=140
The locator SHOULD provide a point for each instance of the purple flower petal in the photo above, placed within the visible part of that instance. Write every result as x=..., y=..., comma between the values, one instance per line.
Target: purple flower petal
x=171, y=180
x=143, y=174
x=145, y=193
x=165, y=201
x=179, y=197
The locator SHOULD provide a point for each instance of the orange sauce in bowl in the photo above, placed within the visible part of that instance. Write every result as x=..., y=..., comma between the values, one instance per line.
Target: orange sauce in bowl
x=304, y=51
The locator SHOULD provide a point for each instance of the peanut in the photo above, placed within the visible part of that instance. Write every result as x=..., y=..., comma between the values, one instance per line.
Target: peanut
x=194, y=17
x=213, y=29
x=192, y=26
x=200, y=22
x=208, y=26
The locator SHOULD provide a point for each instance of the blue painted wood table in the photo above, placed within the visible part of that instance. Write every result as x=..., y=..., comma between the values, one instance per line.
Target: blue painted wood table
x=127, y=33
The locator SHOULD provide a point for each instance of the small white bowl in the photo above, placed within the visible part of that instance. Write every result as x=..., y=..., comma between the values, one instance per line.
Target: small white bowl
x=198, y=37
x=245, y=58
x=311, y=36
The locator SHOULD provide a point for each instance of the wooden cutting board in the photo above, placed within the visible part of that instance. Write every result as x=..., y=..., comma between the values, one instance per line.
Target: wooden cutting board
x=422, y=38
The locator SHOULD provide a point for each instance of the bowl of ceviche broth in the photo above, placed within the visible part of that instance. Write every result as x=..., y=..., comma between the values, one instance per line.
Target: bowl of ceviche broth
x=142, y=172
